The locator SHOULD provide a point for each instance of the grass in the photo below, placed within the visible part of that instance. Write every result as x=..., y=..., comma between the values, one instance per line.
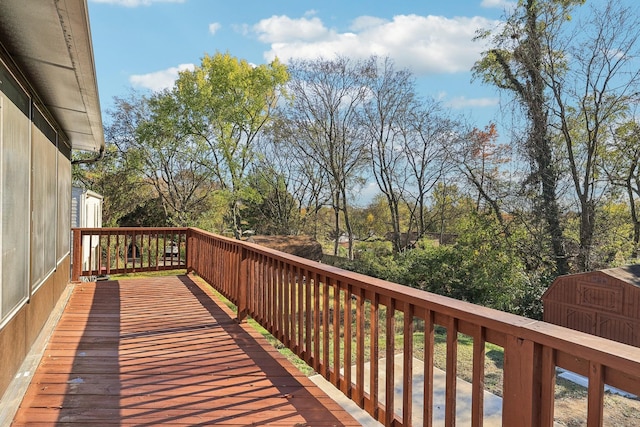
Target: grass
x=571, y=398
x=494, y=360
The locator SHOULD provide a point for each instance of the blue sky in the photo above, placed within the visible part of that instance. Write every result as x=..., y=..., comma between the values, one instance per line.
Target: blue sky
x=142, y=44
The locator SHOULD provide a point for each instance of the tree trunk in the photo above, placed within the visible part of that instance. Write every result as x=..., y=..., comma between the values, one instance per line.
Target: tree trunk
x=539, y=145
x=395, y=222
x=347, y=223
x=634, y=218
x=552, y=216
x=336, y=213
x=587, y=219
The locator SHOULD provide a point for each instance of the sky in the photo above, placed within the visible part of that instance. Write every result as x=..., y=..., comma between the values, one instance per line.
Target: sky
x=141, y=44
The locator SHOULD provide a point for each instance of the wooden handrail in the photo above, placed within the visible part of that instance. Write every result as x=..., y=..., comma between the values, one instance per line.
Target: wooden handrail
x=335, y=319
x=104, y=251
x=298, y=300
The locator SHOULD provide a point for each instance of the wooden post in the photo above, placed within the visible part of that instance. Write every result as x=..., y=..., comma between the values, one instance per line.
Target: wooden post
x=243, y=285
x=595, y=400
x=188, y=249
x=522, y=387
x=477, y=385
x=77, y=255
x=547, y=386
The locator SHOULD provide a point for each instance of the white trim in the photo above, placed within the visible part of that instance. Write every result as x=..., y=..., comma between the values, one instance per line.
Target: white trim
x=36, y=288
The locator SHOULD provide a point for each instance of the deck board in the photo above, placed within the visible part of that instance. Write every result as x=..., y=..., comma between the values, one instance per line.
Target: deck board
x=165, y=351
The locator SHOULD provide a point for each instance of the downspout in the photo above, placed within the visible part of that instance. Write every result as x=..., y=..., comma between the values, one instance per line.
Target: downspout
x=85, y=161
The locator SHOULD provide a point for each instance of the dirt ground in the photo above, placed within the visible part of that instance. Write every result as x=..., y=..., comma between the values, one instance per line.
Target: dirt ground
x=619, y=411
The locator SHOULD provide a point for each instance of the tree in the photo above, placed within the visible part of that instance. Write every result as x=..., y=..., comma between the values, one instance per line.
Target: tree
x=480, y=158
x=387, y=114
x=623, y=171
x=121, y=185
x=304, y=181
x=516, y=63
x=593, y=82
x=376, y=217
x=424, y=147
x=225, y=104
x=144, y=131
x=574, y=79
x=449, y=207
x=322, y=125
x=276, y=212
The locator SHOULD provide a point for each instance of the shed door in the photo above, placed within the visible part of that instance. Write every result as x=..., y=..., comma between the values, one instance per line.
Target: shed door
x=581, y=321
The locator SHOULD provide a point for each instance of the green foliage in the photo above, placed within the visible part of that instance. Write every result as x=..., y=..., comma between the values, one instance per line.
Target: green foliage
x=148, y=213
x=213, y=219
x=481, y=268
x=118, y=180
x=449, y=205
x=225, y=104
x=376, y=259
x=372, y=220
x=612, y=237
x=274, y=210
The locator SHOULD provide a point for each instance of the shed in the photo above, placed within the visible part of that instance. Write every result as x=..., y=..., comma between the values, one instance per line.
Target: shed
x=604, y=303
x=86, y=212
x=86, y=208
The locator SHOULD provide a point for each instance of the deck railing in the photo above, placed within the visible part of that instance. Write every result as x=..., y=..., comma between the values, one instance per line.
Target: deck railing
x=351, y=328
x=102, y=251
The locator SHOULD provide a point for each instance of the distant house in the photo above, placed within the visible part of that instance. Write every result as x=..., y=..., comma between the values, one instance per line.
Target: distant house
x=604, y=303
x=343, y=240
x=48, y=106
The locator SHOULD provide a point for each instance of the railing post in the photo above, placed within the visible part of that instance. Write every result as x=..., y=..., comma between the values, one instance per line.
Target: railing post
x=243, y=285
x=522, y=383
x=188, y=249
x=77, y=255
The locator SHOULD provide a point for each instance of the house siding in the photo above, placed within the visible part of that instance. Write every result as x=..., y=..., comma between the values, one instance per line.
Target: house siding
x=35, y=177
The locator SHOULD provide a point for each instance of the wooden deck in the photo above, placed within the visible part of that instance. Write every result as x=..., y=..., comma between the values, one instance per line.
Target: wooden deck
x=164, y=351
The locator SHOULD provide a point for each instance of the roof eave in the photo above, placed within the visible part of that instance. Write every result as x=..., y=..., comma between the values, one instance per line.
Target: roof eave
x=50, y=42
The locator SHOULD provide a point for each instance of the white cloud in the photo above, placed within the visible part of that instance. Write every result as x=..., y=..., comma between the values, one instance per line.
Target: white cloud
x=424, y=44
x=366, y=22
x=159, y=80
x=462, y=102
x=278, y=29
x=136, y=3
x=214, y=27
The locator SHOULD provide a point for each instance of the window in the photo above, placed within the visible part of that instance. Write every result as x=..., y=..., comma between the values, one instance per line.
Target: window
x=14, y=187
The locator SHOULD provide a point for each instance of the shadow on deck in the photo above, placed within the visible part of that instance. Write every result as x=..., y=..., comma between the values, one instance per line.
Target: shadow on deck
x=165, y=351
